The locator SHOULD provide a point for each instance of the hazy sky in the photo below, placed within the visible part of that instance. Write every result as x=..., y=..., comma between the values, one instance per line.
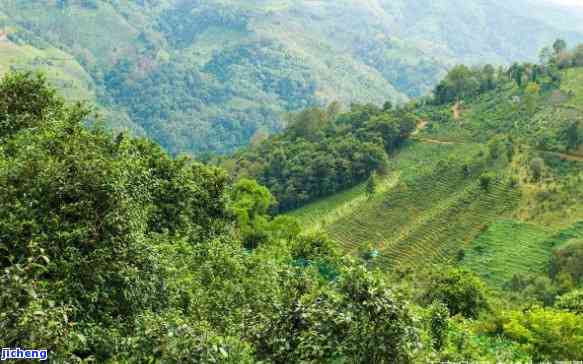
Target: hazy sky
x=578, y=3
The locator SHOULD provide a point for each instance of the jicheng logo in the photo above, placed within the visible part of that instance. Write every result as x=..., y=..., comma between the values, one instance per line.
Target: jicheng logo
x=18, y=353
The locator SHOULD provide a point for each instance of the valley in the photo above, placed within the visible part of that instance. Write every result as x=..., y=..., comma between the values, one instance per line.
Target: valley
x=291, y=181
x=208, y=76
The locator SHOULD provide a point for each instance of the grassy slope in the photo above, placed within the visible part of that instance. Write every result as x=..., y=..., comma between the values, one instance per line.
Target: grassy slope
x=433, y=213
x=61, y=68
x=510, y=247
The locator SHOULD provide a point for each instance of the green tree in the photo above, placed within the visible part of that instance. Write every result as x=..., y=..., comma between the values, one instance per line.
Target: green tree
x=578, y=56
x=306, y=124
x=537, y=166
x=516, y=72
x=567, y=259
x=463, y=81
x=314, y=247
x=250, y=203
x=542, y=289
x=27, y=101
x=461, y=291
x=487, y=78
x=486, y=180
x=559, y=46
x=546, y=56
x=459, y=83
x=438, y=324
x=573, y=134
x=547, y=334
x=371, y=184
x=531, y=93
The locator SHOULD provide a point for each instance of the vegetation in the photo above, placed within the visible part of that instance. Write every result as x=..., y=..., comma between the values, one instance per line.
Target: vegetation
x=322, y=152
x=210, y=75
x=566, y=260
x=116, y=252
x=547, y=334
x=489, y=183
x=459, y=240
x=461, y=292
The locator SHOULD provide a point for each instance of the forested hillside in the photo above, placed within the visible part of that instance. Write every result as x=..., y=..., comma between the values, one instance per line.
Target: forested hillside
x=421, y=201
x=210, y=75
x=324, y=151
x=115, y=252
x=491, y=182
x=490, y=144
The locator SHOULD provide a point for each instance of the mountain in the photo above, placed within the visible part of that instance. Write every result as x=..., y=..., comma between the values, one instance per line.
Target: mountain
x=464, y=244
x=492, y=183
x=210, y=75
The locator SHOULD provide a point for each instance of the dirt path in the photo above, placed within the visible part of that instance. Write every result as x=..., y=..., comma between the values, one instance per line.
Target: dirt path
x=567, y=157
x=421, y=124
x=435, y=141
x=457, y=110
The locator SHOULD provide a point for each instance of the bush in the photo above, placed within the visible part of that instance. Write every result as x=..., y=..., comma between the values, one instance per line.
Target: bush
x=572, y=301
x=567, y=259
x=314, y=247
x=358, y=320
x=461, y=291
x=171, y=338
x=438, y=324
x=547, y=334
x=486, y=180
x=537, y=166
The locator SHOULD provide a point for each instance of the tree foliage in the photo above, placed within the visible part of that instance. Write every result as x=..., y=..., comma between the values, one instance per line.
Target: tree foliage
x=462, y=83
x=567, y=259
x=461, y=291
x=322, y=152
x=115, y=252
x=547, y=334
x=359, y=320
x=572, y=302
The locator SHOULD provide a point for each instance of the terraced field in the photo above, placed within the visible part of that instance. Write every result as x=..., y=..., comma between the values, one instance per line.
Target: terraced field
x=415, y=157
x=440, y=233
x=436, y=208
x=510, y=247
x=319, y=212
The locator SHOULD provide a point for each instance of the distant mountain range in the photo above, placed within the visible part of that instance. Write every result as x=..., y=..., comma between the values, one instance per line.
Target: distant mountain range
x=209, y=75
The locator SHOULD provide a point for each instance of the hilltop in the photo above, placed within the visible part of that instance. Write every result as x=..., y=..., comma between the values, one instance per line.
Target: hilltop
x=209, y=75
x=489, y=180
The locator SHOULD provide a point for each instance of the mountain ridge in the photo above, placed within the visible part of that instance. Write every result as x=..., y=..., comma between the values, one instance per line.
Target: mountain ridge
x=209, y=75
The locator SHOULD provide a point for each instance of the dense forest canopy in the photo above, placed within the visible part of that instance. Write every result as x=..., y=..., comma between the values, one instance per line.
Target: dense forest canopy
x=210, y=75
x=324, y=151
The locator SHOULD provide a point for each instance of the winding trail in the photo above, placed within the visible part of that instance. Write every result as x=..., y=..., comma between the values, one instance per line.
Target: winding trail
x=422, y=124
x=566, y=156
